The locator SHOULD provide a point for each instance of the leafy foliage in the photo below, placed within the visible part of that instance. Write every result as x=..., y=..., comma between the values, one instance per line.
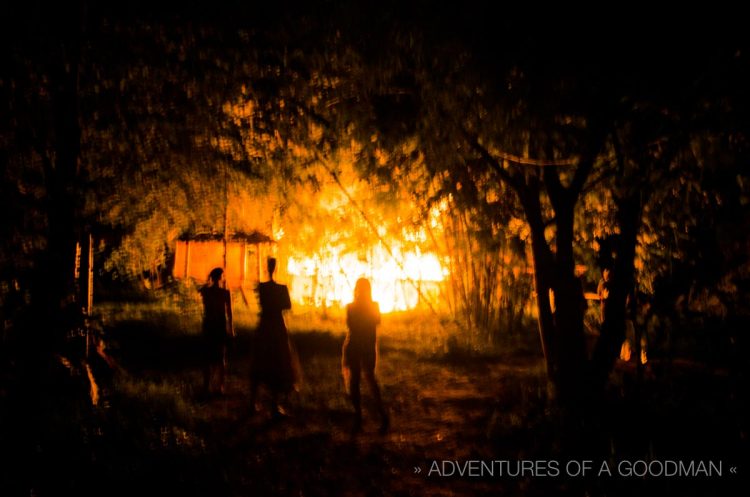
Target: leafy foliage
x=534, y=154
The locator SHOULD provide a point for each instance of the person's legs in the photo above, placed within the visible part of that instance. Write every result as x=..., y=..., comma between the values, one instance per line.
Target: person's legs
x=215, y=367
x=354, y=394
x=375, y=389
x=372, y=382
x=208, y=364
x=222, y=367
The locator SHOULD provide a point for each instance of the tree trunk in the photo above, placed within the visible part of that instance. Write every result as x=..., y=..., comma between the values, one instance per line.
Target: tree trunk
x=61, y=202
x=55, y=283
x=622, y=282
x=543, y=272
x=569, y=299
x=561, y=324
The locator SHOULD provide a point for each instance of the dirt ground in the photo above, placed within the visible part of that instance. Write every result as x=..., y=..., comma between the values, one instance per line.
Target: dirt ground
x=154, y=433
x=442, y=406
x=437, y=412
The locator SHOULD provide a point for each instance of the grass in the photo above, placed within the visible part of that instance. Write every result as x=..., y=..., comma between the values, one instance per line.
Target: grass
x=450, y=398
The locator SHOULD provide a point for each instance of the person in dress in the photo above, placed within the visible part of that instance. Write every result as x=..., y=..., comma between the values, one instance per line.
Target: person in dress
x=359, y=353
x=273, y=364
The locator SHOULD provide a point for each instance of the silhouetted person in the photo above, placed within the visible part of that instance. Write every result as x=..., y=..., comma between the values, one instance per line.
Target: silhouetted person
x=359, y=352
x=272, y=364
x=217, y=328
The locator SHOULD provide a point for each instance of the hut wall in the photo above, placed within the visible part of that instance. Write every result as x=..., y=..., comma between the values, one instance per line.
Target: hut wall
x=195, y=259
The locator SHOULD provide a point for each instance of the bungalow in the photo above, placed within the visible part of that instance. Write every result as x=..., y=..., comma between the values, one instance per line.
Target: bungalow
x=197, y=254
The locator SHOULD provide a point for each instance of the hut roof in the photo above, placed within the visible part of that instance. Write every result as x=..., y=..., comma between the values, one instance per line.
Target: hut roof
x=254, y=237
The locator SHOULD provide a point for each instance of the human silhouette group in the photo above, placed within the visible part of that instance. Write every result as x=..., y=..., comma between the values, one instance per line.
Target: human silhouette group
x=274, y=367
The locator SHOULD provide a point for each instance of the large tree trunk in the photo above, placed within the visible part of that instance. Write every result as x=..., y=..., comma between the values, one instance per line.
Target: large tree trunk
x=560, y=311
x=56, y=281
x=61, y=253
x=561, y=319
x=543, y=271
x=622, y=284
x=569, y=299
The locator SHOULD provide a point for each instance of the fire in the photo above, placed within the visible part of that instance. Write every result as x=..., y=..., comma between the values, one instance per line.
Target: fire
x=399, y=282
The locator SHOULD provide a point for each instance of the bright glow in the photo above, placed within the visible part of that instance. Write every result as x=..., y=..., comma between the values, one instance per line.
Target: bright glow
x=329, y=280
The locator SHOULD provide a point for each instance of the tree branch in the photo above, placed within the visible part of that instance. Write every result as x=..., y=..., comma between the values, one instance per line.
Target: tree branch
x=557, y=192
x=490, y=160
x=581, y=175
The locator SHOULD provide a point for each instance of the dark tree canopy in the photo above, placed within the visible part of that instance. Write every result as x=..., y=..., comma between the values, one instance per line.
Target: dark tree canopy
x=615, y=137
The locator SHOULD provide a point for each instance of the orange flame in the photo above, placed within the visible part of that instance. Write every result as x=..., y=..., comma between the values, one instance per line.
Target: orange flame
x=399, y=282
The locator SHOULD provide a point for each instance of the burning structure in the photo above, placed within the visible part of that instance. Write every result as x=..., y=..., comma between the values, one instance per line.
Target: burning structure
x=400, y=280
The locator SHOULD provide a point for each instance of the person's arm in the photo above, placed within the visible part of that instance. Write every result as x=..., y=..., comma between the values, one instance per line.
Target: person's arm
x=286, y=302
x=376, y=313
x=230, y=323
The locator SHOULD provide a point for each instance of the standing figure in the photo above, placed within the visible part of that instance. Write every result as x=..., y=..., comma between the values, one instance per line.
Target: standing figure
x=217, y=328
x=360, y=351
x=273, y=362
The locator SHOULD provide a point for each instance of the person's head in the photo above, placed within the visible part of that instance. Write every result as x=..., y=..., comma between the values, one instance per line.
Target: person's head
x=271, y=264
x=606, y=273
x=215, y=275
x=362, y=290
